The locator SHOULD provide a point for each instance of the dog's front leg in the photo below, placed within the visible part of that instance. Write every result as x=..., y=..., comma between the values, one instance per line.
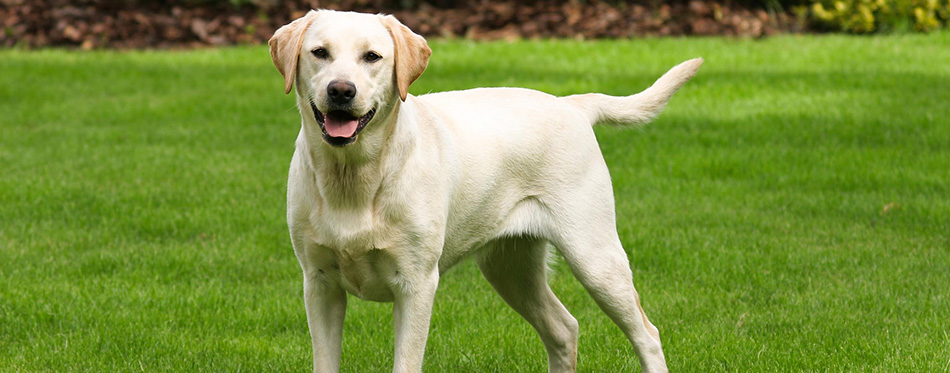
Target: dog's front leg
x=325, y=300
x=412, y=309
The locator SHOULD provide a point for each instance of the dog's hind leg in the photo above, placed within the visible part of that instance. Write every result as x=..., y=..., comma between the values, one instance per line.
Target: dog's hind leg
x=516, y=268
x=605, y=273
x=587, y=239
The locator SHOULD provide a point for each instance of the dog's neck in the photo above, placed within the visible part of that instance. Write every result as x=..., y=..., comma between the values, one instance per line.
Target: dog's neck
x=352, y=174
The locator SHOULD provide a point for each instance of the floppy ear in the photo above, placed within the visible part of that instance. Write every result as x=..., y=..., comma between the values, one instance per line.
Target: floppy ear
x=285, y=47
x=412, y=54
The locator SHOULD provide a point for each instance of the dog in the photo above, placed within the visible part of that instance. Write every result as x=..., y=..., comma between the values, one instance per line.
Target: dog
x=387, y=191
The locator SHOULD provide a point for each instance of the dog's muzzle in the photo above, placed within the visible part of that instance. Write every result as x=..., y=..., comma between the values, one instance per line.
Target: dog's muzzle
x=339, y=127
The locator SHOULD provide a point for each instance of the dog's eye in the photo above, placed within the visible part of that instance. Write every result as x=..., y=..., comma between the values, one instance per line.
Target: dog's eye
x=320, y=53
x=371, y=57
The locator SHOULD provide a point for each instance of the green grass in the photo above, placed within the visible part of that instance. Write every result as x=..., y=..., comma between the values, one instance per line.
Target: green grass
x=790, y=211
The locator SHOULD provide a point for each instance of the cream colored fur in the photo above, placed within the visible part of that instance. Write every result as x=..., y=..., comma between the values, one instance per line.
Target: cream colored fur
x=494, y=173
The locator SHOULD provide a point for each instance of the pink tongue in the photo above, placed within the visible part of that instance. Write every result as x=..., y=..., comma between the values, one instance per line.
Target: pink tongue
x=338, y=126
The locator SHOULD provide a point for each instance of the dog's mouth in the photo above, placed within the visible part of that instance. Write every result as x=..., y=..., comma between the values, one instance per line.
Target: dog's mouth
x=340, y=127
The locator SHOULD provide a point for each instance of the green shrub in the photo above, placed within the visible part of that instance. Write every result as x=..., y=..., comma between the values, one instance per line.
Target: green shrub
x=866, y=16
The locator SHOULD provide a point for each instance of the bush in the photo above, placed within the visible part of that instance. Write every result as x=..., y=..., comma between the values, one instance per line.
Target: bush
x=866, y=16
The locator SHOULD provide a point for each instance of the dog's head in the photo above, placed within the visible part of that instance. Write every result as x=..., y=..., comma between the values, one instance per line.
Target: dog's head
x=347, y=67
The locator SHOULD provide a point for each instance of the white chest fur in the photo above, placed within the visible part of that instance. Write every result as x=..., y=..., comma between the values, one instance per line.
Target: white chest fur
x=353, y=247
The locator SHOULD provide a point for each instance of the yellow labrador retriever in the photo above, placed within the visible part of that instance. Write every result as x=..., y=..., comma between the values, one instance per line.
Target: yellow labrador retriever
x=387, y=190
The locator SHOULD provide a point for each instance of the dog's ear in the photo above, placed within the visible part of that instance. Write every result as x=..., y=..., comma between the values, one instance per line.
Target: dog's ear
x=285, y=47
x=412, y=54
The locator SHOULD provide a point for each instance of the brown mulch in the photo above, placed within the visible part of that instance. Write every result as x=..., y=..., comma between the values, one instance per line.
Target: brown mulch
x=171, y=24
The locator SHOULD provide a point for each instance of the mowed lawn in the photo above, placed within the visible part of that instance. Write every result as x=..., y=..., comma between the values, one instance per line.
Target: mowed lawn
x=790, y=211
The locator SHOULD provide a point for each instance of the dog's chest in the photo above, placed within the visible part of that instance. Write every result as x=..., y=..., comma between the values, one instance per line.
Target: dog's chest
x=361, y=245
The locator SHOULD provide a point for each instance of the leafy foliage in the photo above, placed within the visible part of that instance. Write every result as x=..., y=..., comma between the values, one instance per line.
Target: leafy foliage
x=866, y=16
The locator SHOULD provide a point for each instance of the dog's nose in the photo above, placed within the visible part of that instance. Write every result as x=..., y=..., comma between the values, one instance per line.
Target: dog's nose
x=341, y=91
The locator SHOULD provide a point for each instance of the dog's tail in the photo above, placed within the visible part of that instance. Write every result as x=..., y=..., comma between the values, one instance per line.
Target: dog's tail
x=641, y=107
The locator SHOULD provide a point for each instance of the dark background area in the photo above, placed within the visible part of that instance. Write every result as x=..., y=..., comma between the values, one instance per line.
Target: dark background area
x=194, y=23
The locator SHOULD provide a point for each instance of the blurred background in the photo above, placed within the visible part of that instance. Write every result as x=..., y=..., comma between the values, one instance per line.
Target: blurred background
x=186, y=23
